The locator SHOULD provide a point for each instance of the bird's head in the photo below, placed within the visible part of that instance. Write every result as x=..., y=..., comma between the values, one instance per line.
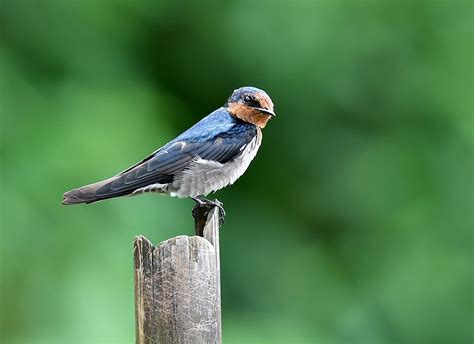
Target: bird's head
x=251, y=105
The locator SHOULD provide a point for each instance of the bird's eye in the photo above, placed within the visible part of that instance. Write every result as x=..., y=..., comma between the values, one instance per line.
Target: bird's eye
x=247, y=99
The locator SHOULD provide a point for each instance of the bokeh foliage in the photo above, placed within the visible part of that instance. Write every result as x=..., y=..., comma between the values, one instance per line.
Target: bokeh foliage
x=354, y=223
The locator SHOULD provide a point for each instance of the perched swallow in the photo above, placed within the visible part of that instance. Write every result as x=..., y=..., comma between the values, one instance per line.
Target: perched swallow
x=207, y=157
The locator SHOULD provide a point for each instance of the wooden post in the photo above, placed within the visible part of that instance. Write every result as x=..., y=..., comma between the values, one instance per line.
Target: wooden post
x=177, y=285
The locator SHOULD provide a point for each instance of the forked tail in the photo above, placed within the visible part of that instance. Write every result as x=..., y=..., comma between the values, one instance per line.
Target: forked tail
x=92, y=193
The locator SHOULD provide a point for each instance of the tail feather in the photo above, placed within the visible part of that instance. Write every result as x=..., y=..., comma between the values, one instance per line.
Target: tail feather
x=88, y=193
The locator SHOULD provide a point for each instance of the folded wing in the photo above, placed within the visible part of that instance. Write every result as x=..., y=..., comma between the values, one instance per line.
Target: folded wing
x=161, y=166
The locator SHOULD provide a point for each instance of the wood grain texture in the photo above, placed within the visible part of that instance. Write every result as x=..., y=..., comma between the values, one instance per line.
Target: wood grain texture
x=177, y=287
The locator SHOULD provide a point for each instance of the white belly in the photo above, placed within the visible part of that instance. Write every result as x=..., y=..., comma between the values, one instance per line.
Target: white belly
x=205, y=176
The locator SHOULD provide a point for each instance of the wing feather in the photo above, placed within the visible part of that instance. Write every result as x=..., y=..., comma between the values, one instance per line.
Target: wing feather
x=161, y=166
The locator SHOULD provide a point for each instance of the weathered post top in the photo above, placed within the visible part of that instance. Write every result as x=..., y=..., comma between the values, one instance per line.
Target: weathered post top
x=177, y=285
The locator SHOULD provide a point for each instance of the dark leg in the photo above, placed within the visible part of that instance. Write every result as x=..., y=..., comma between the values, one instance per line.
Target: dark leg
x=204, y=204
x=210, y=204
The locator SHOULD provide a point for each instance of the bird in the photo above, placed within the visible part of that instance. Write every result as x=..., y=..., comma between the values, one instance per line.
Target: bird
x=207, y=157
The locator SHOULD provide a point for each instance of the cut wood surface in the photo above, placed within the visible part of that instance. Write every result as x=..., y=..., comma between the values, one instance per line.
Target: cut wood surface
x=177, y=286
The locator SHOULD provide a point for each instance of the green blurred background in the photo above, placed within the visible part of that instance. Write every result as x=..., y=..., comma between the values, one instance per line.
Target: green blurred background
x=354, y=223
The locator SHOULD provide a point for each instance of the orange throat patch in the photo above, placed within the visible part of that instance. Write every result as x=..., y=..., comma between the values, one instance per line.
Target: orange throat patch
x=248, y=114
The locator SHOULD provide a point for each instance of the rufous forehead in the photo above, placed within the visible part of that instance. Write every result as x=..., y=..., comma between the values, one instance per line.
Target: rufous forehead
x=264, y=100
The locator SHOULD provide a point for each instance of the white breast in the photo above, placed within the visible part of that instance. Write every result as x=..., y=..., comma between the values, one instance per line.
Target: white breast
x=205, y=176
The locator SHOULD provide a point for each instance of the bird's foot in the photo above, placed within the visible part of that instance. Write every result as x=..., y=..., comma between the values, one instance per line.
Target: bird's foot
x=209, y=204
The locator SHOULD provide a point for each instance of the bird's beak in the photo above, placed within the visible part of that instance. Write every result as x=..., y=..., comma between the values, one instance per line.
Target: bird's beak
x=266, y=111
